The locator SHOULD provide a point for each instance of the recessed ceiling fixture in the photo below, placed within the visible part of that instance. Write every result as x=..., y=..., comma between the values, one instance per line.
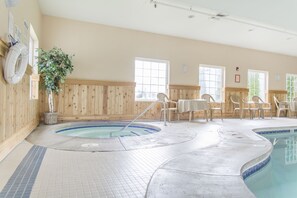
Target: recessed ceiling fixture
x=221, y=15
x=191, y=15
x=154, y=2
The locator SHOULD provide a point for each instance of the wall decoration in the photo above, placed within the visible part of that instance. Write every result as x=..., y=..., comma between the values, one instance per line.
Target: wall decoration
x=237, y=78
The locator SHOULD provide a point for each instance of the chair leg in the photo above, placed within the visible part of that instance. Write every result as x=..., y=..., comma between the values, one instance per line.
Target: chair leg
x=243, y=114
x=278, y=113
x=205, y=115
x=211, y=115
x=222, y=114
x=288, y=113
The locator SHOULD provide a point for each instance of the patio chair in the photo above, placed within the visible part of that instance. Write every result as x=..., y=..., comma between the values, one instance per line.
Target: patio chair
x=250, y=107
x=235, y=104
x=235, y=100
x=167, y=105
x=213, y=105
x=281, y=107
x=263, y=106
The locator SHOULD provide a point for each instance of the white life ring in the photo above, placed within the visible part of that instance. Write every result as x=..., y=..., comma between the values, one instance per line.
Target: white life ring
x=16, y=63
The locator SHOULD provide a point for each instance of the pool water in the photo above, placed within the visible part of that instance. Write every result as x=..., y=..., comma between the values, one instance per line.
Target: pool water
x=107, y=131
x=278, y=179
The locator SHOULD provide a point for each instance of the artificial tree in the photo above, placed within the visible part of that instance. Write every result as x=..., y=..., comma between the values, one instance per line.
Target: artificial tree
x=53, y=65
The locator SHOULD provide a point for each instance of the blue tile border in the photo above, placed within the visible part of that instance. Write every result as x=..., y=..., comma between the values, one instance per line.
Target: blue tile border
x=255, y=168
x=114, y=125
x=275, y=131
x=21, y=182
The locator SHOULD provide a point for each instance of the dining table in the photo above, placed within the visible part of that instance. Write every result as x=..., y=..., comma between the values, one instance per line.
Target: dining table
x=193, y=105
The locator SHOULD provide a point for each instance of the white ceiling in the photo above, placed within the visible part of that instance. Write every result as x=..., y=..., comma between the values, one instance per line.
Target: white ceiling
x=267, y=25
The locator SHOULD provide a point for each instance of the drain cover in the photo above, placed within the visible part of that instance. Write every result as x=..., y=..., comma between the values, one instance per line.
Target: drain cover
x=88, y=145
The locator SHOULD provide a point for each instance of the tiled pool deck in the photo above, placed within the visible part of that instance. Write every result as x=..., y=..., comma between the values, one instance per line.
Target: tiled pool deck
x=196, y=159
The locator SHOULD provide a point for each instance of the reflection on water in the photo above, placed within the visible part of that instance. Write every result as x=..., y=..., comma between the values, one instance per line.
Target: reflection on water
x=279, y=177
x=289, y=145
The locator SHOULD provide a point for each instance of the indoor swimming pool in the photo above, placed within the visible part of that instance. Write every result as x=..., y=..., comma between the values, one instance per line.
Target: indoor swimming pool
x=279, y=177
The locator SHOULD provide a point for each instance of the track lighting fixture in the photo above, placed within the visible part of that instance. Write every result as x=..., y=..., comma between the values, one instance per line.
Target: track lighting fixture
x=218, y=16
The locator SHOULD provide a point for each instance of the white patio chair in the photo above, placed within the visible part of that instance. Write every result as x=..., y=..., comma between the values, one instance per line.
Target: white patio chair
x=263, y=106
x=167, y=105
x=213, y=105
x=281, y=107
x=250, y=107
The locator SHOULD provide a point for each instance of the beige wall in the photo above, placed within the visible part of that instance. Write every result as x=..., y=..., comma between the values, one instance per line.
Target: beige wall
x=107, y=53
x=18, y=114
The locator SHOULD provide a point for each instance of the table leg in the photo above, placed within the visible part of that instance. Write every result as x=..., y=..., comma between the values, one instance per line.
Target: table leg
x=262, y=113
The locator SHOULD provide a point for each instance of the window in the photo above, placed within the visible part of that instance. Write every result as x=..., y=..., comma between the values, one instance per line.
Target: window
x=258, y=84
x=211, y=81
x=151, y=77
x=291, y=86
x=33, y=45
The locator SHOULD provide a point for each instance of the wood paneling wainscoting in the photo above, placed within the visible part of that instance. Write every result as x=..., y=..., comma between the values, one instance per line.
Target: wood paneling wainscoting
x=107, y=100
x=19, y=115
x=92, y=100
x=183, y=92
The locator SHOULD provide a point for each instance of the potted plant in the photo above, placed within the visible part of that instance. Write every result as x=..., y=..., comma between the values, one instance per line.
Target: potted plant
x=53, y=65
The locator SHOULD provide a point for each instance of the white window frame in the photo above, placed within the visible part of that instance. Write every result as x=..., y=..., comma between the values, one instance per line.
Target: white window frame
x=221, y=99
x=33, y=46
x=266, y=73
x=290, y=98
x=166, y=75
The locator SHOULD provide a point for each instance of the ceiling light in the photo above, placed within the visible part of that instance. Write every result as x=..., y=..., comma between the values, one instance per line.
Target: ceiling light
x=221, y=15
x=191, y=15
x=154, y=2
x=214, y=18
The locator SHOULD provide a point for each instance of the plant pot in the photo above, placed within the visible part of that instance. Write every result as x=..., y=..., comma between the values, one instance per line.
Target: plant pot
x=50, y=118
